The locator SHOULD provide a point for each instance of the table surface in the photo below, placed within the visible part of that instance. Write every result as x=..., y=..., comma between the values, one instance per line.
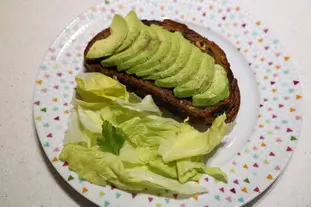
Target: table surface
x=29, y=28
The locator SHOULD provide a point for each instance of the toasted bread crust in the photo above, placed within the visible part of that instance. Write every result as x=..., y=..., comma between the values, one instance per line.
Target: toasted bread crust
x=164, y=97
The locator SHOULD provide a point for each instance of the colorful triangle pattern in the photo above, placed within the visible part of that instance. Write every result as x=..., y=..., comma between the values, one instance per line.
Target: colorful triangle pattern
x=46, y=144
x=84, y=190
x=106, y=203
x=241, y=199
x=246, y=180
x=167, y=200
x=70, y=178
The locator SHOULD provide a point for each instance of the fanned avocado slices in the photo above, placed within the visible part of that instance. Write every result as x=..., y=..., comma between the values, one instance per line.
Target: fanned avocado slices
x=168, y=60
x=190, y=69
x=218, y=90
x=138, y=45
x=199, y=82
x=144, y=55
x=182, y=59
x=165, y=44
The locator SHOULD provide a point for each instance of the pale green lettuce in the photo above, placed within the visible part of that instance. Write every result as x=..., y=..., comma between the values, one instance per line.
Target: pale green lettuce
x=91, y=120
x=193, y=143
x=77, y=132
x=167, y=169
x=93, y=87
x=101, y=168
x=149, y=130
x=116, y=138
x=193, y=168
x=155, y=181
x=92, y=164
x=129, y=154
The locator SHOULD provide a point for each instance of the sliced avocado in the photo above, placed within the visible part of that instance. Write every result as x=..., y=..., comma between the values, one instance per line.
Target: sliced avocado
x=107, y=46
x=200, y=82
x=138, y=45
x=190, y=69
x=144, y=55
x=134, y=28
x=183, y=57
x=218, y=91
x=208, y=79
x=164, y=46
x=169, y=59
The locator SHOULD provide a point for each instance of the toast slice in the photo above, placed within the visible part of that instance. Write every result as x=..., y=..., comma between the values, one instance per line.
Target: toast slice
x=181, y=107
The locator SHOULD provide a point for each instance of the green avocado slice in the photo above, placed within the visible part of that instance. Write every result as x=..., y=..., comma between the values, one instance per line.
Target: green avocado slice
x=134, y=28
x=138, y=45
x=200, y=82
x=190, y=69
x=183, y=57
x=219, y=90
x=107, y=46
x=168, y=60
x=144, y=55
x=165, y=44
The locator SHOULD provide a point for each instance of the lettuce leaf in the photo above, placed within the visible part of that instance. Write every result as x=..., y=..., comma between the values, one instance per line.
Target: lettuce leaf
x=188, y=168
x=77, y=132
x=149, y=130
x=97, y=90
x=92, y=164
x=129, y=154
x=193, y=143
x=96, y=87
x=216, y=173
x=103, y=168
x=167, y=169
x=155, y=181
x=91, y=120
x=193, y=168
x=137, y=155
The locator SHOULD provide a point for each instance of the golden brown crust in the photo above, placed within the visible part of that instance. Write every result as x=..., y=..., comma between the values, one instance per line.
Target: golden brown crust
x=164, y=97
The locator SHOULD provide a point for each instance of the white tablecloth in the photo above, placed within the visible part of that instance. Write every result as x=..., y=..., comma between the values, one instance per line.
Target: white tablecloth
x=28, y=27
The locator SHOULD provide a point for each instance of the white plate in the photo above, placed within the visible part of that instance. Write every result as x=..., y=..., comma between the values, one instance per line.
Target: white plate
x=268, y=123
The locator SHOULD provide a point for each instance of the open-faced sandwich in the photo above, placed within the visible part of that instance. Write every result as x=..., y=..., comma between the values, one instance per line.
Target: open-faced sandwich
x=117, y=138
x=183, y=71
